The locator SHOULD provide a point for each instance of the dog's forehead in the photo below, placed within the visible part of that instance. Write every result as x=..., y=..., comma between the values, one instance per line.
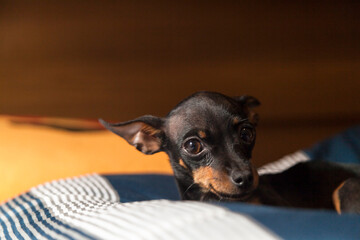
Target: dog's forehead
x=201, y=112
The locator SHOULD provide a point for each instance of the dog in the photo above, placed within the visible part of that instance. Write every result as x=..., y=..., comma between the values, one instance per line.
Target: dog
x=209, y=138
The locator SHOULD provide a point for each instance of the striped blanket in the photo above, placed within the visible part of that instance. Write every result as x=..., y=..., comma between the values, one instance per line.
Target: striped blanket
x=88, y=207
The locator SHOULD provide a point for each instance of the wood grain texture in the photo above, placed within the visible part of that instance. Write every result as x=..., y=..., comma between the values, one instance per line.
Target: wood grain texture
x=120, y=60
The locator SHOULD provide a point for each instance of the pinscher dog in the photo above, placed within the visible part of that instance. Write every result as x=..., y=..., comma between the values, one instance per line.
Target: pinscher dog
x=209, y=138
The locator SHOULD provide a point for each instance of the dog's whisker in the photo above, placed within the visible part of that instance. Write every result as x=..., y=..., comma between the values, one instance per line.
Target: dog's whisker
x=189, y=188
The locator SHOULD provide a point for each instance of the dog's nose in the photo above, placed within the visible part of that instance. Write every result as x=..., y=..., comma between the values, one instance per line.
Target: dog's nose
x=242, y=179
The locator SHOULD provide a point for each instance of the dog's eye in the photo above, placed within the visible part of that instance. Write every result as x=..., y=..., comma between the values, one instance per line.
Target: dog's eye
x=247, y=135
x=193, y=146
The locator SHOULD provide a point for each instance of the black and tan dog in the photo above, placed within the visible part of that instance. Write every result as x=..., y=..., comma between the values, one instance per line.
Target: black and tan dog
x=209, y=139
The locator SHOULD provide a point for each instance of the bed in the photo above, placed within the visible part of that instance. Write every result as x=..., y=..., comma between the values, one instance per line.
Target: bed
x=144, y=203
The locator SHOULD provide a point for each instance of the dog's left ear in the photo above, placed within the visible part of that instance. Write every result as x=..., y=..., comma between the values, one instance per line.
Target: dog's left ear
x=145, y=133
x=248, y=103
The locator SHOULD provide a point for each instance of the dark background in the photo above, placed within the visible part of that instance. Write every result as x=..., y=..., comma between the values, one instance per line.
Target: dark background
x=120, y=60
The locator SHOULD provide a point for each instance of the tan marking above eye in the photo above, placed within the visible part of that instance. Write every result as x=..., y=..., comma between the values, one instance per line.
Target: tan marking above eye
x=202, y=134
x=236, y=120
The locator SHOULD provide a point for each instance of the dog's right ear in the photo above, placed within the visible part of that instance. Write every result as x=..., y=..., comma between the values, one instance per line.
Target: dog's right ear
x=145, y=133
x=248, y=103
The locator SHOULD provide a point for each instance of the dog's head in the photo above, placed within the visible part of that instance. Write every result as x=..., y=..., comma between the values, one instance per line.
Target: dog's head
x=209, y=138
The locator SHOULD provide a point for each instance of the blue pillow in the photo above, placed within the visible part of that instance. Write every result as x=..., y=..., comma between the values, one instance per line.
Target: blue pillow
x=342, y=148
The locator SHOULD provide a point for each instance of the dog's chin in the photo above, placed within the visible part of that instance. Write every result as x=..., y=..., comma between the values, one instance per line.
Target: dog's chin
x=235, y=196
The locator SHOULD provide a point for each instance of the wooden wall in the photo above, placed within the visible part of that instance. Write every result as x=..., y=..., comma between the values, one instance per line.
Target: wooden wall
x=120, y=60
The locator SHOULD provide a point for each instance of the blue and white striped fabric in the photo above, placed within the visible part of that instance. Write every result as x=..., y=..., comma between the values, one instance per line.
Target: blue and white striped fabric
x=89, y=208
x=284, y=163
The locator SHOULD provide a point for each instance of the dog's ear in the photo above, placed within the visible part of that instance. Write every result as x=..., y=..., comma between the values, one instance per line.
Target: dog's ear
x=248, y=103
x=145, y=133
